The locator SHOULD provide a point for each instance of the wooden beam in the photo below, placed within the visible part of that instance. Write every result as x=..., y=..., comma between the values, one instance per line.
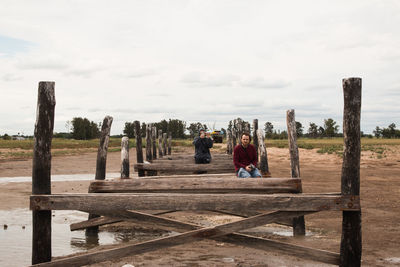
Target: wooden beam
x=266, y=244
x=41, y=170
x=262, y=152
x=149, y=145
x=190, y=236
x=189, y=167
x=173, y=201
x=277, y=246
x=198, y=176
x=195, y=185
x=351, y=241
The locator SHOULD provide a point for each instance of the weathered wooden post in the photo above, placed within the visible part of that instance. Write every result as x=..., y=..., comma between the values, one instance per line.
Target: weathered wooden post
x=164, y=143
x=41, y=171
x=153, y=140
x=299, y=228
x=240, y=132
x=139, y=152
x=229, y=142
x=149, y=145
x=255, y=137
x=351, y=245
x=101, y=163
x=262, y=152
x=125, y=157
x=160, y=149
x=169, y=143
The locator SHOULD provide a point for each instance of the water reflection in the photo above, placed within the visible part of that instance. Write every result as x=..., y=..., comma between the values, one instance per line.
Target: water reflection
x=57, y=178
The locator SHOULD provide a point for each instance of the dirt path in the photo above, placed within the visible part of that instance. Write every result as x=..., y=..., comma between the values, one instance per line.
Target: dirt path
x=380, y=190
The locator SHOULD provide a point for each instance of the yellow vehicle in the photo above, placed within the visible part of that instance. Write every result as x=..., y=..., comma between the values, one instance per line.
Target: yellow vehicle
x=217, y=136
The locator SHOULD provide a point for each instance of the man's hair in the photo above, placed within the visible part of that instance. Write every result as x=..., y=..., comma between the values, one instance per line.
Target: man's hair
x=246, y=134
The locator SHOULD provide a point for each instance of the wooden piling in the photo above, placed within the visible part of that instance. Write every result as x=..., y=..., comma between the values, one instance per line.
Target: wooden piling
x=299, y=228
x=165, y=143
x=229, y=142
x=255, y=137
x=125, y=157
x=101, y=163
x=139, y=152
x=351, y=245
x=262, y=151
x=169, y=143
x=149, y=145
x=154, y=141
x=160, y=149
x=41, y=171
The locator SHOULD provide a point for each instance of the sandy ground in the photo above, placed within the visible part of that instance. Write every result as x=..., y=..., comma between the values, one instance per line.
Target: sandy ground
x=380, y=188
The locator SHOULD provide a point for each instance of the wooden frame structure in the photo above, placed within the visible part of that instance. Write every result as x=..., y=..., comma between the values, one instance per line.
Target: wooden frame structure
x=264, y=200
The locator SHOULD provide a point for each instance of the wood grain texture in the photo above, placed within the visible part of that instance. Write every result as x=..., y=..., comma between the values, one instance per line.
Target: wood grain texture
x=175, y=201
x=41, y=170
x=125, y=157
x=139, y=151
x=351, y=240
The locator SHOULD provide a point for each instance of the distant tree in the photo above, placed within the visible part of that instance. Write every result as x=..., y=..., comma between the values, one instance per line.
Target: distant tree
x=83, y=129
x=176, y=128
x=299, y=129
x=268, y=129
x=377, y=132
x=321, y=131
x=129, y=129
x=313, y=130
x=6, y=137
x=391, y=131
x=330, y=128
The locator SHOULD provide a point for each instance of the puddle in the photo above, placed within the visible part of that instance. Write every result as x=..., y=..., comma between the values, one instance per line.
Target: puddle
x=393, y=260
x=274, y=229
x=57, y=178
x=16, y=236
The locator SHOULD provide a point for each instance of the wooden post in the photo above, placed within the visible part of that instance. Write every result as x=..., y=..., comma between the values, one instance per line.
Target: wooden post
x=165, y=143
x=228, y=142
x=255, y=137
x=351, y=245
x=139, y=152
x=41, y=171
x=125, y=157
x=160, y=149
x=262, y=152
x=169, y=143
x=233, y=138
x=149, y=145
x=101, y=163
x=153, y=140
x=240, y=132
x=299, y=227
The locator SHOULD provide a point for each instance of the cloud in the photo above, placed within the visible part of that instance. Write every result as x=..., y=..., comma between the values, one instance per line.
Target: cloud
x=42, y=63
x=201, y=79
x=10, y=77
x=261, y=83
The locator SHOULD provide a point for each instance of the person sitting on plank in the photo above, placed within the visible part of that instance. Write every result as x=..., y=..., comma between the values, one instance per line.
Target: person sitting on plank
x=245, y=158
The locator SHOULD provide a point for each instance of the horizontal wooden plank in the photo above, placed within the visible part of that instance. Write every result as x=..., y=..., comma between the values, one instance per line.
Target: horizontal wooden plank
x=174, y=201
x=197, y=176
x=107, y=220
x=194, y=185
x=176, y=167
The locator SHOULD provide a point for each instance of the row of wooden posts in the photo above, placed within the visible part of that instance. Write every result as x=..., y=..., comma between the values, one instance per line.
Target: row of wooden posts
x=116, y=205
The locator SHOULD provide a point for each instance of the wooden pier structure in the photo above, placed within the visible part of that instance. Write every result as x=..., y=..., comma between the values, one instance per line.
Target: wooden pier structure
x=172, y=183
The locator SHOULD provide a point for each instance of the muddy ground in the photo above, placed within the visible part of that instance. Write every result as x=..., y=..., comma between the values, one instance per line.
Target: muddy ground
x=380, y=191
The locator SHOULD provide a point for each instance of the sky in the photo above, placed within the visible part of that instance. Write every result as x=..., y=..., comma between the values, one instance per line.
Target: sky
x=198, y=61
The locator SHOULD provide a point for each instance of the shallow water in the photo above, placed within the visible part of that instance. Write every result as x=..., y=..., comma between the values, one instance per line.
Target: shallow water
x=57, y=178
x=16, y=236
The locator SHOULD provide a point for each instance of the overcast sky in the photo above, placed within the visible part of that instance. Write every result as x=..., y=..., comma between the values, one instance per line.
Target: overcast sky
x=207, y=61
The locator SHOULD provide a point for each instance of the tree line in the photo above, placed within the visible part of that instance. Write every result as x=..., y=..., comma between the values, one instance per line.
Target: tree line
x=84, y=129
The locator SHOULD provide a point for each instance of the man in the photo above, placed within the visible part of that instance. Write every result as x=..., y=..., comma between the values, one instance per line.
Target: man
x=202, y=145
x=245, y=158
